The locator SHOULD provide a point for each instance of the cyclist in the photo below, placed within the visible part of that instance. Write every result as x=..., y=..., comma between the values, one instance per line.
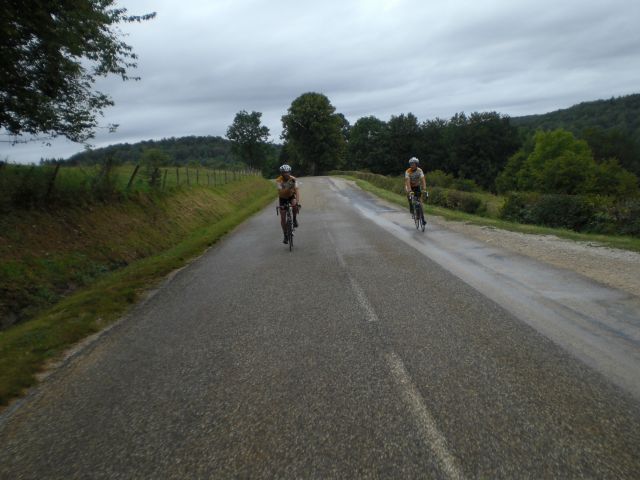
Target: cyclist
x=287, y=192
x=414, y=180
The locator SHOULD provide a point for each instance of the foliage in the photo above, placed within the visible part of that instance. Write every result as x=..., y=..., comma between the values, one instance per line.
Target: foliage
x=621, y=114
x=560, y=163
x=168, y=234
x=368, y=139
x=151, y=160
x=474, y=148
x=614, y=144
x=313, y=134
x=444, y=197
x=580, y=213
x=249, y=138
x=51, y=54
x=212, y=151
x=610, y=127
x=51, y=186
x=455, y=200
x=402, y=142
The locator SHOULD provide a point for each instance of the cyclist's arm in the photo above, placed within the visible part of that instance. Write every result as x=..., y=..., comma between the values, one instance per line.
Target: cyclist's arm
x=407, y=186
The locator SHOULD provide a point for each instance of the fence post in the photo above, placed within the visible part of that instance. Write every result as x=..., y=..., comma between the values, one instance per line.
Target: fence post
x=133, y=175
x=164, y=179
x=225, y=177
x=197, y=176
x=188, y=183
x=53, y=179
x=208, y=180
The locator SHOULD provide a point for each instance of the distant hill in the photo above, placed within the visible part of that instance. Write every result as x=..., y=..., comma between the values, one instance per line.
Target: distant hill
x=203, y=150
x=611, y=127
x=621, y=113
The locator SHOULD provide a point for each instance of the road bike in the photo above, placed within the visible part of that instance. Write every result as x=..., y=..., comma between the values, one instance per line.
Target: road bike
x=288, y=223
x=417, y=213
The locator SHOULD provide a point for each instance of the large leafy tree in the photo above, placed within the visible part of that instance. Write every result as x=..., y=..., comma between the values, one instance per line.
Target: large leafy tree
x=249, y=138
x=479, y=146
x=402, y=144
x=314, y=134
x=51, y=53
x=367, y=144
x=559, y=163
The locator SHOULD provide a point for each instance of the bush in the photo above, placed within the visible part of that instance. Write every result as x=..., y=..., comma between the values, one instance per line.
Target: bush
x=455, y=200
x=563, y=211
x=596, y=214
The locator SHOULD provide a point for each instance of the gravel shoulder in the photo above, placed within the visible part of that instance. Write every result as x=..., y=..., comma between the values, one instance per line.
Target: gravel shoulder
x=616, y=268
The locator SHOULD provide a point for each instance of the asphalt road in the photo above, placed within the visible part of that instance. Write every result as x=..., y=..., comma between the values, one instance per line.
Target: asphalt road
x=370, y=351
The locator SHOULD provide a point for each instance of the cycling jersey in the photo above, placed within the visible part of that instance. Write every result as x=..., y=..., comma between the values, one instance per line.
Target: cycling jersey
x=286, y=188
x=414, y=177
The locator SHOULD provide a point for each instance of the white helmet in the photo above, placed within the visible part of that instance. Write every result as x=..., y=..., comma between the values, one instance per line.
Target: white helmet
x=414, y=160
x=285, y=168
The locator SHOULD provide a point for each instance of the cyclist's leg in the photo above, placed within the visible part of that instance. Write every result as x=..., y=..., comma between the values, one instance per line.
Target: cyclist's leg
x=283, y=215
x=416, y=193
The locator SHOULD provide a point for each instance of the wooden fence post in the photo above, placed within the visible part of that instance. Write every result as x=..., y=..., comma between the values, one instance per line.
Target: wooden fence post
x=52, y=180
x=133, y=175
x=164, y=179
x=188, y=183
x=197, y=176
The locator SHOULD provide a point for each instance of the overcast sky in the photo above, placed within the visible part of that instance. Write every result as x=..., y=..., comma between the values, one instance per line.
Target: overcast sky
x=203, y=61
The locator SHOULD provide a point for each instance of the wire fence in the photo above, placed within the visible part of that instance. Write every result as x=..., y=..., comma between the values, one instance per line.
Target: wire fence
x=29, y=186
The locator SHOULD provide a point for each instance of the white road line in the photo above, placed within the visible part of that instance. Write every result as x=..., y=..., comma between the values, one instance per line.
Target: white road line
x=427, y=425
x=434, y=439
x=360, y=295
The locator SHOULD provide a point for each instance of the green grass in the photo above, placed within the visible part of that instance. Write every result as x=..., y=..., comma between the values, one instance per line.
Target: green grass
x=622, y=242
x=27, y=186
x=26, y=347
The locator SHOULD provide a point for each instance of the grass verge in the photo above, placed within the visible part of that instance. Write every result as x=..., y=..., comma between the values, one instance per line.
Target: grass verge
x=26, y=347
x=622, y=242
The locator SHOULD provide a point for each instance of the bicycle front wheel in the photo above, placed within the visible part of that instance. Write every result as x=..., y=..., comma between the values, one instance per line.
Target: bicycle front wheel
x=290, y=229
x=417, y=215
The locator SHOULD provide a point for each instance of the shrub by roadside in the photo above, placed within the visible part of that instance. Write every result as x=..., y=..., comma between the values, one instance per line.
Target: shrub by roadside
x=581, y=213
x=451, y=198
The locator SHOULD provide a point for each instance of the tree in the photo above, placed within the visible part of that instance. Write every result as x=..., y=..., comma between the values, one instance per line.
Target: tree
x=313, y=133
x=403, y=140
x=249, y=138
x=152, y=159
x=559, y=163
x=367, y=145
x=50, y=56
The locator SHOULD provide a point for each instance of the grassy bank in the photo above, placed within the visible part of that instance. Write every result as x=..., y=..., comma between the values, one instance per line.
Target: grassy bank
x=95, y=264
x=623, y=242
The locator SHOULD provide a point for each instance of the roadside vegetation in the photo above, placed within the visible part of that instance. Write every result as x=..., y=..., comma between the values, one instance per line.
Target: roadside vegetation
x=67, y=273
x=491, y=215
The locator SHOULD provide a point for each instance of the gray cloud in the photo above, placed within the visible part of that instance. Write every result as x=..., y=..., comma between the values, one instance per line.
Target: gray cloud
x=201, y=62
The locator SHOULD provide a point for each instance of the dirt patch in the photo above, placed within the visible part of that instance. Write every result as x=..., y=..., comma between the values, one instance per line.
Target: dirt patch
x=613, y=267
